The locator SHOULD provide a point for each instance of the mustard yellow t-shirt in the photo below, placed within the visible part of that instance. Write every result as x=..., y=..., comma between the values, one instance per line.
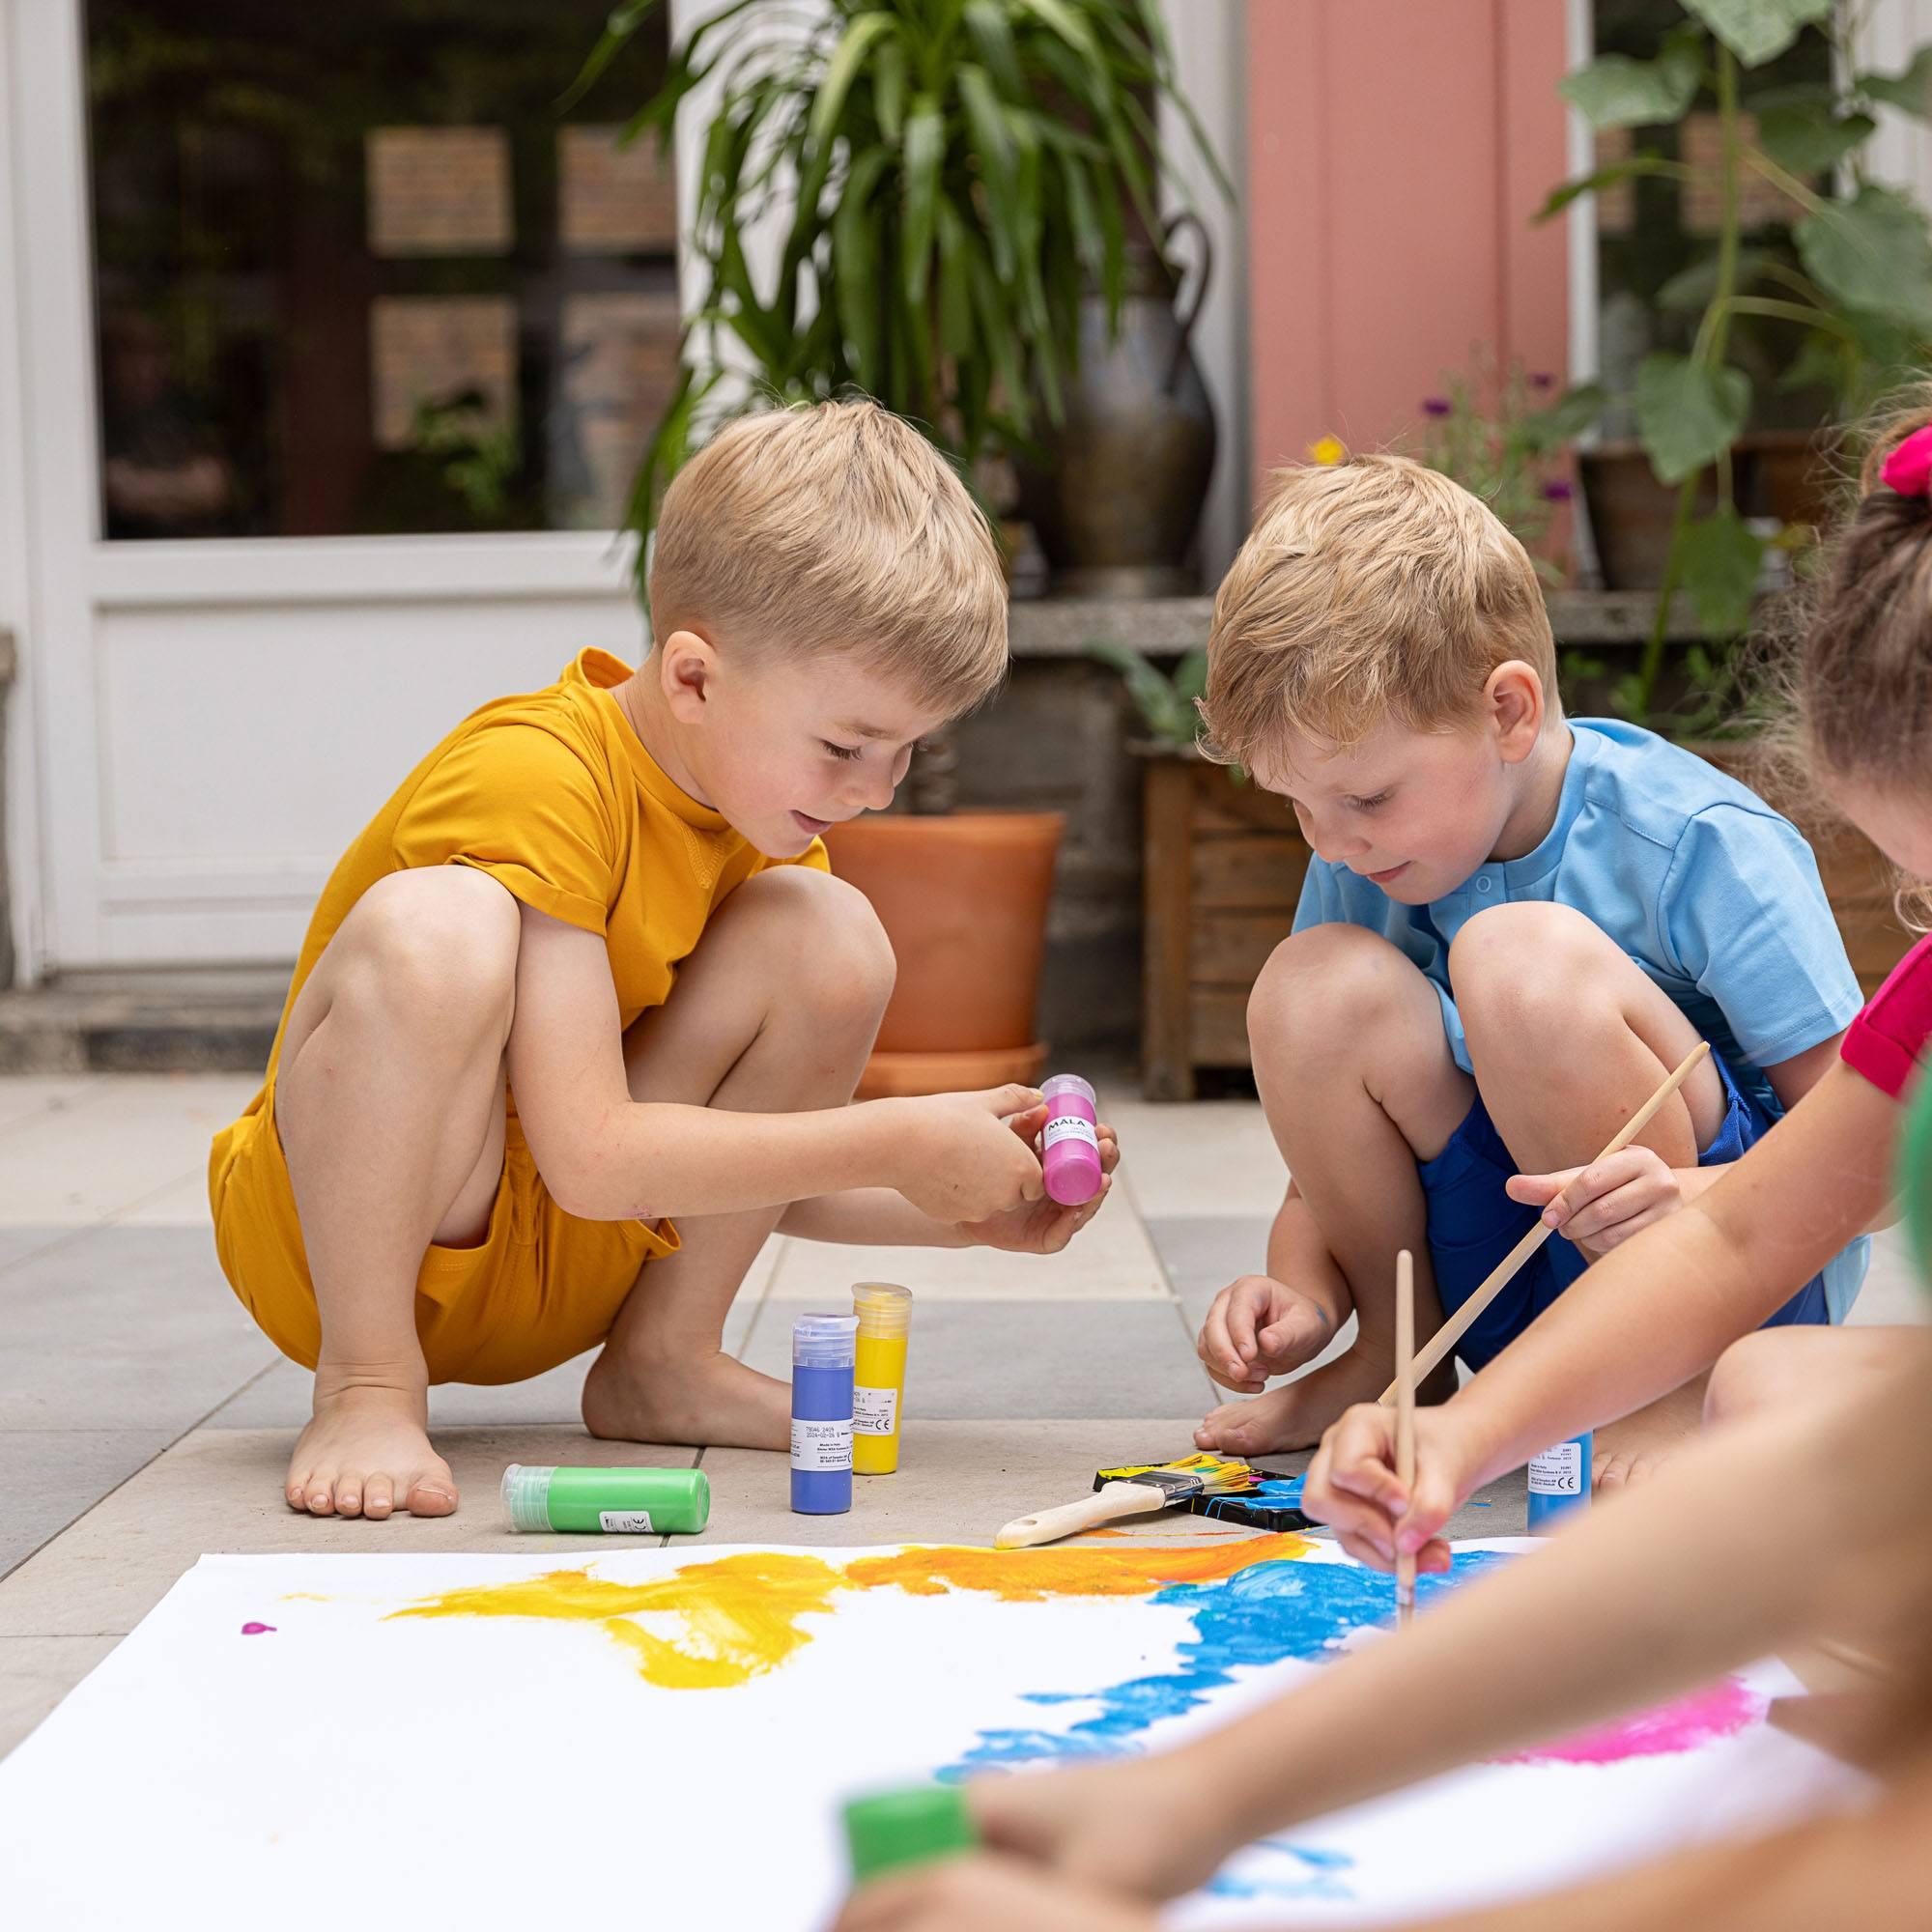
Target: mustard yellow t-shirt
x=554, y=795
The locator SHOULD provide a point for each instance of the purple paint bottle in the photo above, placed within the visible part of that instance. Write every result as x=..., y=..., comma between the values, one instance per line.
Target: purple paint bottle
x=822, y=1352
x=1071, y=1141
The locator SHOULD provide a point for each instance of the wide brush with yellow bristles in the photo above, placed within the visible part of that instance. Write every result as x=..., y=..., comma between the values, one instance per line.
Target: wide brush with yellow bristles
x=1131, y=1491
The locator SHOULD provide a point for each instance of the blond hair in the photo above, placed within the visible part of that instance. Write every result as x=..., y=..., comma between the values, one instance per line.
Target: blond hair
x=835, y=527
x=1368, y=590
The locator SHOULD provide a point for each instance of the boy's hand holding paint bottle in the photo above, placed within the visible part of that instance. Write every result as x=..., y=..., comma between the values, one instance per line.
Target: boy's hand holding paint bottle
x=956, y=1156
x=1078, y=1153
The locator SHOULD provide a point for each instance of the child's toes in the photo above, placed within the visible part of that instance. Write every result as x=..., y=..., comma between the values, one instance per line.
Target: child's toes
x=430, y=1495
x=379, y=1497
x=321, y=1495
x=348, y=1494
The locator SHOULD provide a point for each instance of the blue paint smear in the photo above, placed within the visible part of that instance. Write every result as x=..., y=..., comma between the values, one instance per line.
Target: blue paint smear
x=1275, y=1611
x=1320, y=1875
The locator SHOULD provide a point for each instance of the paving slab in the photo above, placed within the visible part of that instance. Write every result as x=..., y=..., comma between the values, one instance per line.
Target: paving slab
x=220, y=1490
x=36, y=1672
x=1110, y=1259
x=1210, y=1157
x=131, y=1326
x=975, y=1360
x=48, y=1478
x=957, y=1482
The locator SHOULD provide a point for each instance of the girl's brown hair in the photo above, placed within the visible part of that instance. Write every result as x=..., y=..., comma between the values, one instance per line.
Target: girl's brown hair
x=1864, y=667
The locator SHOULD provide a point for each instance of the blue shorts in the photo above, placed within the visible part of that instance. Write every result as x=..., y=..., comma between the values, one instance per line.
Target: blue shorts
x=1474, y=1224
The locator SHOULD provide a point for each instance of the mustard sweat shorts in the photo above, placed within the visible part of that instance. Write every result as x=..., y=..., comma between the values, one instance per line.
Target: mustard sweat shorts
x=542, y=1287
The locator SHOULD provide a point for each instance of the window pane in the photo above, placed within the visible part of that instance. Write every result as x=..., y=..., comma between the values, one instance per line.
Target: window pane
x=1651, y=231
x=354, y=273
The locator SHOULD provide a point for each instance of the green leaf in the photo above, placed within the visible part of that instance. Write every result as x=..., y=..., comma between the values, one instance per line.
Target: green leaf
x=1067, y=22
x=1911, y=91
x=1820, y=364
x=1628, y=169
x=830, y=103
x=994, y=151
x=1872, y=253
x=1167, y=713
x=889, y=89
x=1577, y=409
x=1757, y=31
x=993, y=35
x=855, y=265
x=956, y=296
x=1811, y=140
x=1718, y=562
x=1692, y=288
x=1688, y=414
x=924, y=151
x=1618, y=92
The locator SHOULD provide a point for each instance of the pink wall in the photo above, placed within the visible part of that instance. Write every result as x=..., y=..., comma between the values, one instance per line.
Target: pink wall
x=1397, y=150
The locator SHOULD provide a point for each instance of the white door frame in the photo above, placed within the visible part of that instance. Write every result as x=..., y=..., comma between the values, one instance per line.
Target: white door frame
x=20, y=807
x=69, y=893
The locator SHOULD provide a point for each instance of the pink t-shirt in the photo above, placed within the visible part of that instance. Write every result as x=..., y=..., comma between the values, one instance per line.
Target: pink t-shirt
x=1887, y=1042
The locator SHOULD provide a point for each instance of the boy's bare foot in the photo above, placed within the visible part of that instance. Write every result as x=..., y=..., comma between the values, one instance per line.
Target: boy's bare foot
x=1294, y=1415
x=711, y=1401
x=367, y=1453
x=1633, y=1449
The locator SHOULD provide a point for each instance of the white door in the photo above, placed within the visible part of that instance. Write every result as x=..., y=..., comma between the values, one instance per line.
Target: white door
x=333, y=363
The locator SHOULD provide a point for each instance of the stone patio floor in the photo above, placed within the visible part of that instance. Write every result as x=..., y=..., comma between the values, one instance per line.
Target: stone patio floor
x=144, y=1420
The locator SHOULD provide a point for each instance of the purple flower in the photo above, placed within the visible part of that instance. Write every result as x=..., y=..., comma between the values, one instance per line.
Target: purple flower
x=1436, y=406
x=1556, y=492
x=1542, y=381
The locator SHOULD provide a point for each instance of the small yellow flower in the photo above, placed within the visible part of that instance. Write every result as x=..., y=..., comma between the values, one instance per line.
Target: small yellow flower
x=1330, y=450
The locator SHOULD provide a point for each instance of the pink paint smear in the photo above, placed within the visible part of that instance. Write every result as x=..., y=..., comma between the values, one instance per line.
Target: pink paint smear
x=1691, y=1722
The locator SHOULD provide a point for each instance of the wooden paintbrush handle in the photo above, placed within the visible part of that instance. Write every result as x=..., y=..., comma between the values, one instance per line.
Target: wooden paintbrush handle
x=1450, y=1333
x=1104, y=1505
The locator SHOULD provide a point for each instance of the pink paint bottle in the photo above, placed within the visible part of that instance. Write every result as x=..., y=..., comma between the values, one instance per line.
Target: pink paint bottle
x=1071, y=1144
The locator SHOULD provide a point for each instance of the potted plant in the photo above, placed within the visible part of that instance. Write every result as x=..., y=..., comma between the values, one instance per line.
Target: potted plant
x=1222, y=869
x=1502, y=436
x=1843, y=273
x=956, y=178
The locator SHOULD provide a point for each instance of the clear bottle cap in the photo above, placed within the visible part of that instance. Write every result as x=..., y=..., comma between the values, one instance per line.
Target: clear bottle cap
x=883, y=1307
x=1067, y=1083
x=823, y=1341
x=527, y=1495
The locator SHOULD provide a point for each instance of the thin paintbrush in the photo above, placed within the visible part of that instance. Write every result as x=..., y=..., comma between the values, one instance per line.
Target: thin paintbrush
x=1450, y=1333
x=1405, y=1423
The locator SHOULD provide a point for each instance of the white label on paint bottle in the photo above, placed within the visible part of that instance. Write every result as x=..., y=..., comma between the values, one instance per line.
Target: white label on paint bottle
x=625, y=1523
x=1557, y=1471
x=1069, y=1128
x=875, y=1411
x=821, y=1445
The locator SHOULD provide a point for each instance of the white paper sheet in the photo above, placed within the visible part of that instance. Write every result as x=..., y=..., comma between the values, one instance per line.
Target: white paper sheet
x=538, y=1749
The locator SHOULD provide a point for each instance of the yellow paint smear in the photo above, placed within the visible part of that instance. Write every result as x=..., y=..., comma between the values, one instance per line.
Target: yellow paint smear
x=740, y=1615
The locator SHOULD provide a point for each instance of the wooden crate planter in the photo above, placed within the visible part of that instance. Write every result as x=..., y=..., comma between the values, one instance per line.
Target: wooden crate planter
x=1224, y=871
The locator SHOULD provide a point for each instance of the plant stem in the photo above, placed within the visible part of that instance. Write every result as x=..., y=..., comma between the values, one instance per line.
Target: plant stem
x=1784, y=311
x=1713, y=332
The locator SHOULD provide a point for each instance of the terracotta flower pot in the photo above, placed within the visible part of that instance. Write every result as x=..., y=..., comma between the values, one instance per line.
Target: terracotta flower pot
x=965, y=900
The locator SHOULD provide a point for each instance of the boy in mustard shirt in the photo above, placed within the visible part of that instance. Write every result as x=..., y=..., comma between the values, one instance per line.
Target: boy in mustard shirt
x=588, y=969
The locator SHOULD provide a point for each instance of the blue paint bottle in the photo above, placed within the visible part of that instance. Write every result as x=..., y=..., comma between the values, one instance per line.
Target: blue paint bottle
x=1560, y=1484
x=822, y=1352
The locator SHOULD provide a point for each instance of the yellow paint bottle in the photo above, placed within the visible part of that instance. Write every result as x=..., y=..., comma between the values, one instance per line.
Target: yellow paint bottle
x=878, y=1376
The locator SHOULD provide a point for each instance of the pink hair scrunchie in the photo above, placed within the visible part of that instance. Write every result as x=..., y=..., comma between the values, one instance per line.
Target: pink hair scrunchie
x=1907, y=469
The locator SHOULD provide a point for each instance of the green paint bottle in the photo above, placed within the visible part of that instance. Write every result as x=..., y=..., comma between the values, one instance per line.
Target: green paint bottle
x=615, y=1502
x=907, y=1828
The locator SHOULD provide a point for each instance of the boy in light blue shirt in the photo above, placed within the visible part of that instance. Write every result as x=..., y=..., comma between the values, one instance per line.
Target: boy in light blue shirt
x=1514, y=925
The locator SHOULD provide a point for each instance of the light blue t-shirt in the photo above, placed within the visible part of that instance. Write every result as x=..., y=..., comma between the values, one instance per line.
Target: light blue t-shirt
x=1714, y=895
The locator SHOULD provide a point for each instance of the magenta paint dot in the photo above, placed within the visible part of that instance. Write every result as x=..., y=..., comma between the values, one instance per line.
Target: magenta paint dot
x=255, y=1629
x=1691, y=1722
